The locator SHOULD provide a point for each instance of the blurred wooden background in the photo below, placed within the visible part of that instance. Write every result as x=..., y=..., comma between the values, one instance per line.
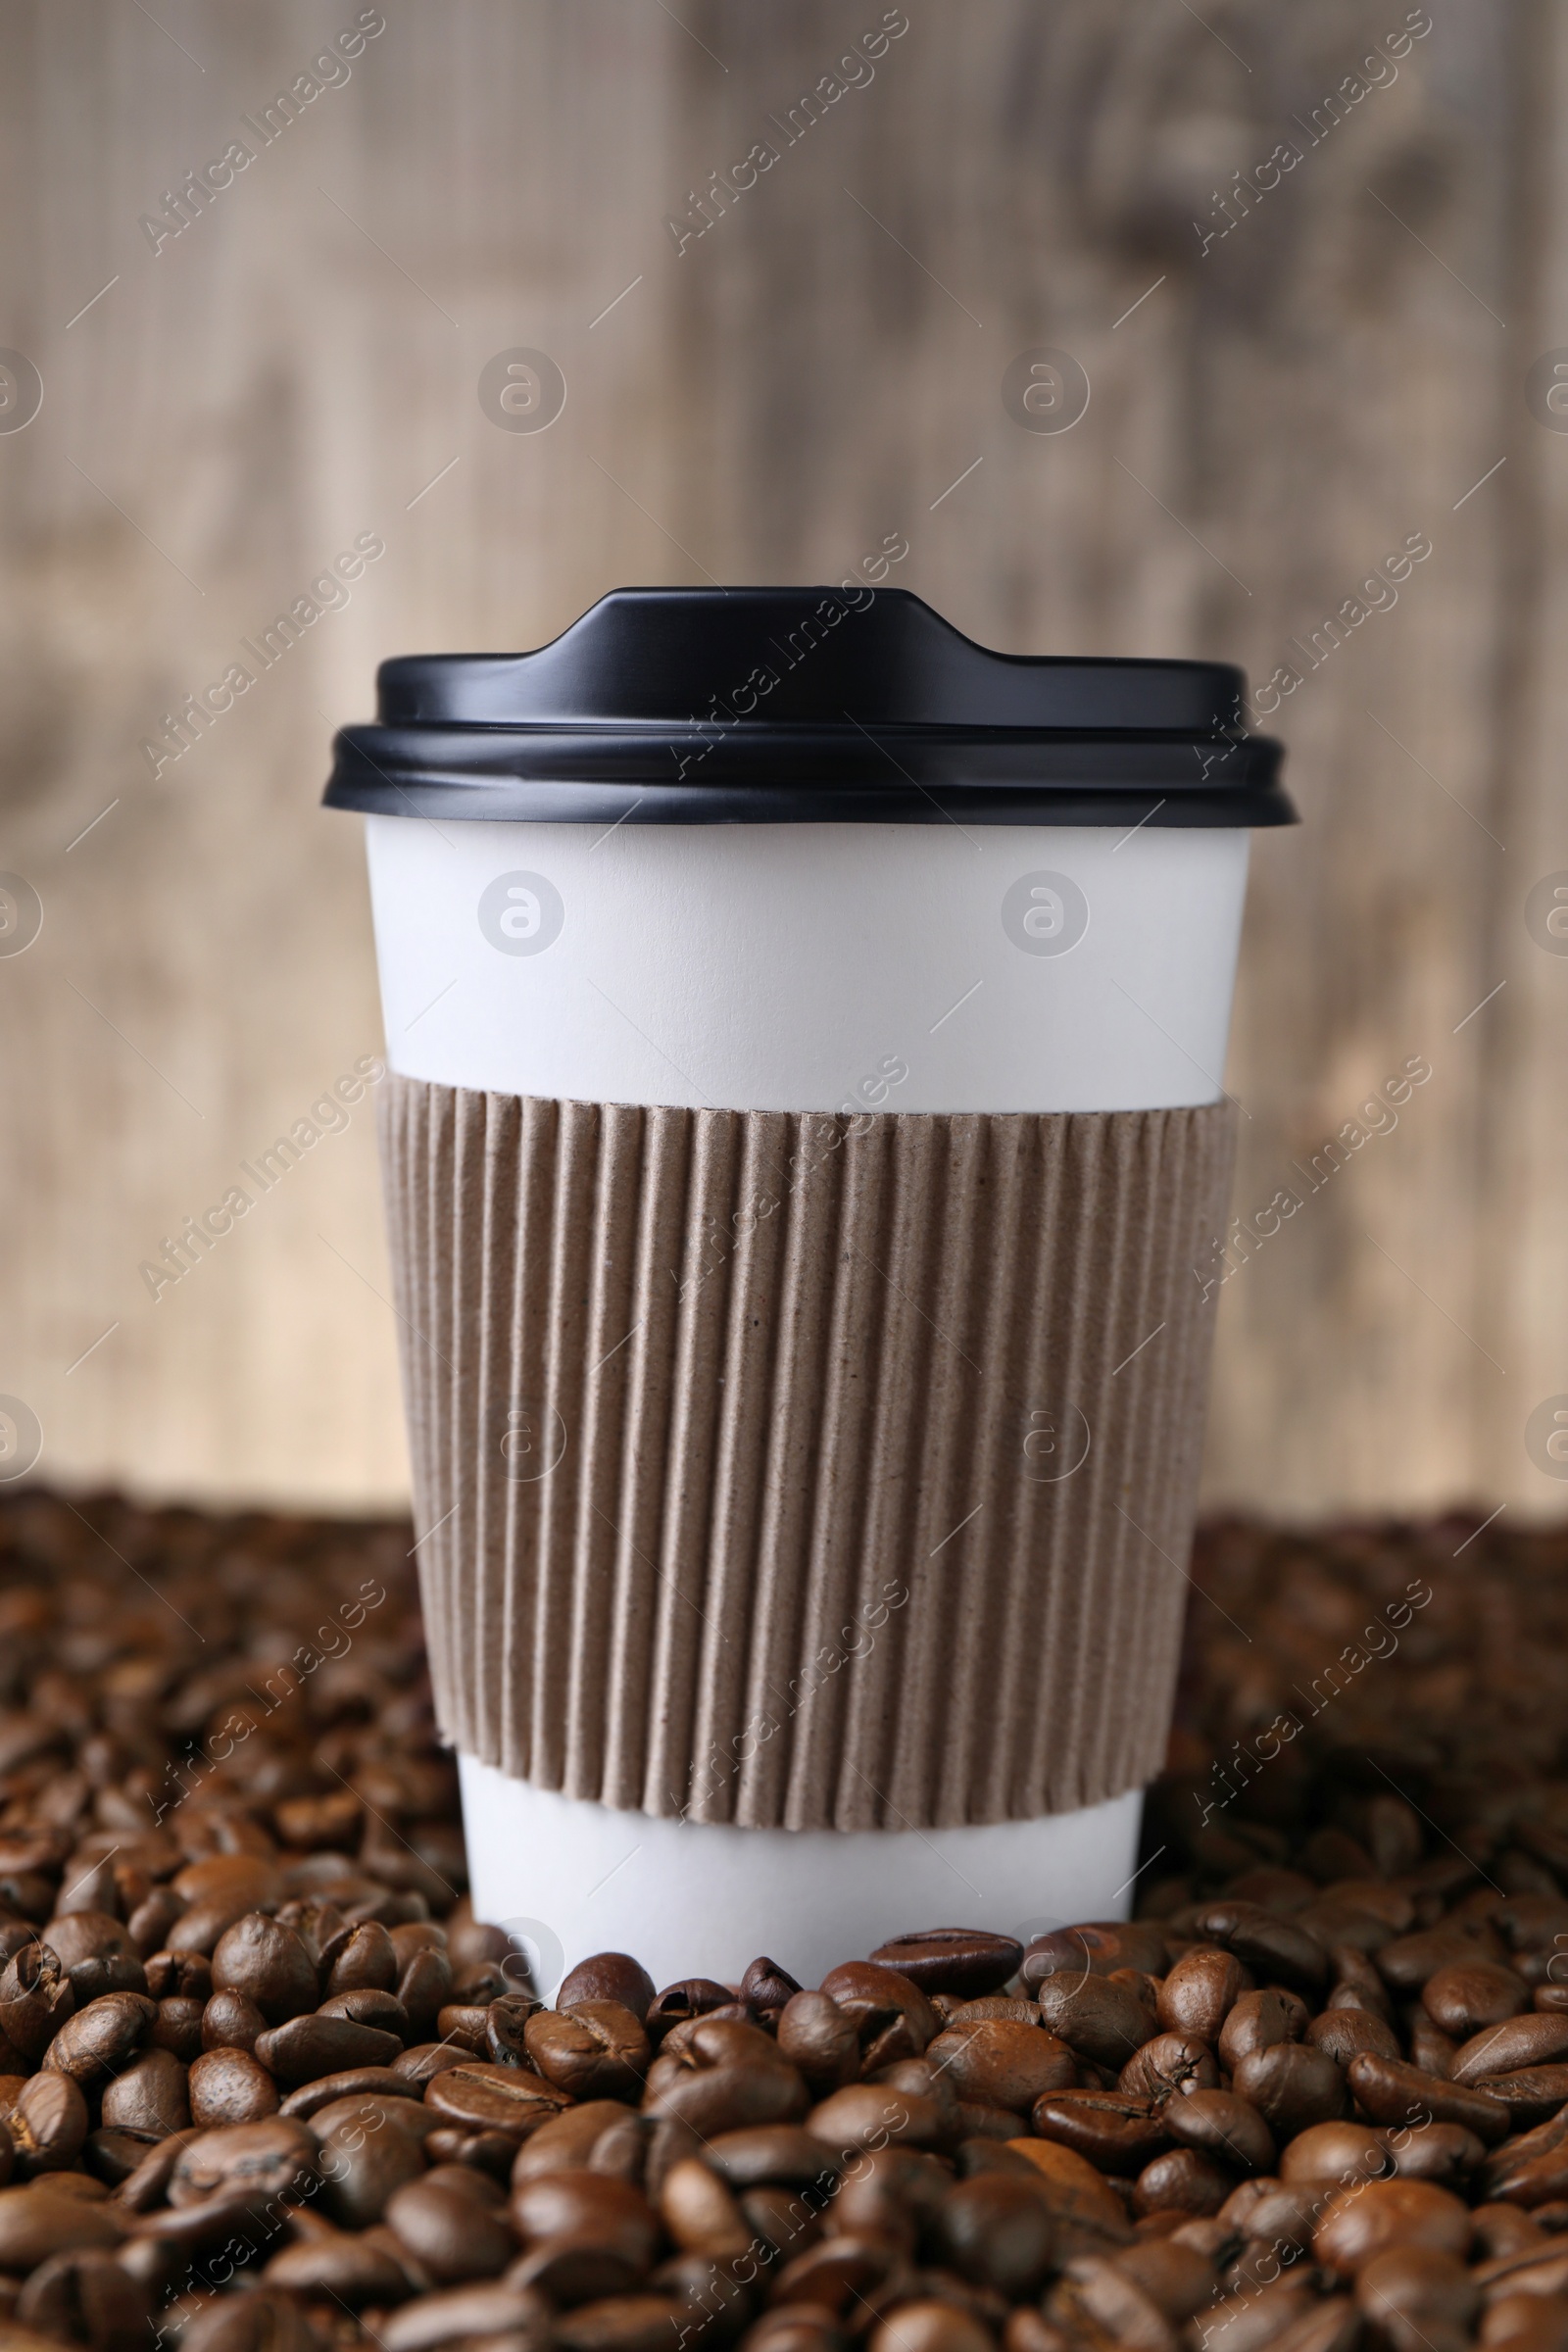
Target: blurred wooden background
x=1273, y=413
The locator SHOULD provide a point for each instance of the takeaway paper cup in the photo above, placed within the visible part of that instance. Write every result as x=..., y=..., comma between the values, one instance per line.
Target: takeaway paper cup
x=807, y=1031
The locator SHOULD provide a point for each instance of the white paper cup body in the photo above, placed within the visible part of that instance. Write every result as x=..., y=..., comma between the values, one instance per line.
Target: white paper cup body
x=778, y=967
x=819, y=967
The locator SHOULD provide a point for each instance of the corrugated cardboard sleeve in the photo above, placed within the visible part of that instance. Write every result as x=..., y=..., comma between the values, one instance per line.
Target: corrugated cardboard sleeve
x=802, y=1471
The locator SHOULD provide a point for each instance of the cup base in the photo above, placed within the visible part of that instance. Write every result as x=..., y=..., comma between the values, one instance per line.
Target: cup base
x=569, y=1878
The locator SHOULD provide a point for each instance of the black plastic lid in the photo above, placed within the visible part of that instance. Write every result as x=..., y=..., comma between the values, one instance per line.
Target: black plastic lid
x=780, y=705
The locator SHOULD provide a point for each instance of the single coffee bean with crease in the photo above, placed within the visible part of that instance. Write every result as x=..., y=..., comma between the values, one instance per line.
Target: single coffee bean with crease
x=962, y=1961
x=359, y=1957
x=368, y=2005
x=96, y=2041
x=599, y=2051
x=1168, y=2064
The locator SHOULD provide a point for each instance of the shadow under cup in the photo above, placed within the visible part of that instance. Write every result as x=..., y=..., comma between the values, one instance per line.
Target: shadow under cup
x=805, y=1143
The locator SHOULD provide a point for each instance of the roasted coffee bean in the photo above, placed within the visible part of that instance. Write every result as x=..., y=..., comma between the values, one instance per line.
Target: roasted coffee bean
x=369, y=2147
x=1390, y=2092
x=1432, y=2051
x=599, y=2051
x=37, y=2221
x=1177, y=2278
x=700, y=2213
x=1099, y=2020
x=351, y=2082
x=96, y=1953
x=965, y=1961
x=1373, y=2216
x=765, y=1988
x=450, y=2231
x=424, y=1987
x=147, y=2095
x=35, y=1999
x=494, y=2098
x=417, y=2064
x=231, y=2022
x=1467, y=1996
x=892, y=2016
x=566, y=2142
x=998, y=2232
x=1000, y=2064
x=1344, y=2034
x=678, y=2004
x=359, y=1957
x=1270, y=1946
x=1442, y=2152
x=1222, y=2125
x=113, y=2156
x=726, y=2075
x=1536, y=2040
x=505, y=2024
x=930, y=2326
x=1170, y=2063
x=273, y=2158
x=349, y=2269
x=96, y=2041
x=1256, y=2021
x=1117, y=2134
x=365, y=2005
x=608, y=1977
x=466, y=2024
x=1337, y=2152
x=1531, y=2095
x=229, y=2086
x=86, y=2298
x=1407, y=1964
x=319, y=2044
x=1291, y=2086
x=47, y=2124
x=1199, y=1992
x=586, y=2207
x=268, y=1965
x=1185, y=2180
x=177, y=2027
x=822, y=2039
x=870, y=2114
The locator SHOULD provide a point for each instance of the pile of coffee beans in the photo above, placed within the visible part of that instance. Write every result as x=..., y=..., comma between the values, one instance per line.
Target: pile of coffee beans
x=266, y=2085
